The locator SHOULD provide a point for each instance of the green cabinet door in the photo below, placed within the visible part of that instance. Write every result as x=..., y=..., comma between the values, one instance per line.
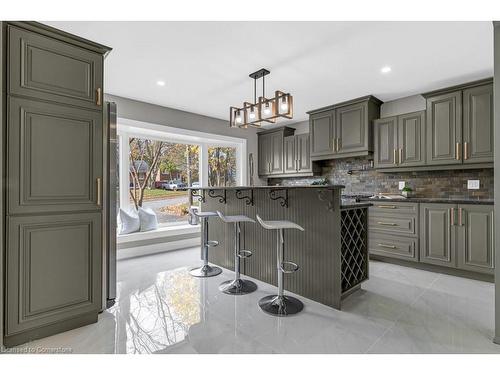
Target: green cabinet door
x=478, y=124
x=475, y=238
x=411, y=139
x=54, y=157
x=437, y=234
x=53, y=273
x=351, y=128
x=290, y=154
x=322, y=130
x=386, y=142
x=265, y=152
x=444, y=129
x=303, y=152
x=49, y=69
x=277, y=165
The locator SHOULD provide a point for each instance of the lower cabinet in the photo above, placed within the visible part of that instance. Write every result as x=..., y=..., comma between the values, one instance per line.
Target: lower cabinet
x=459, y=236
x=437, y=235
x=53, y=271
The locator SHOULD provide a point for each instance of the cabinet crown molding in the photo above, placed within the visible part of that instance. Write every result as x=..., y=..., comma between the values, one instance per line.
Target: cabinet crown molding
x=367, y=98
x=462, y=86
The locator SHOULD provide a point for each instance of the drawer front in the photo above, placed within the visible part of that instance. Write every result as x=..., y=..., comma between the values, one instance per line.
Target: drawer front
x=393, y=246
x=46, y=68
x=393, y=224
x=394, y=208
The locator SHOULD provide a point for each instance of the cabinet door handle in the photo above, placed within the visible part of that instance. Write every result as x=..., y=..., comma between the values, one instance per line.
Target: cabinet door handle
x=452, y=214
x=98, y=95
x=466, y=156
x=400, y=155
x=395, y=157
x=386, y=223
x=334, y=144
x=386, y=206
x=98, y=187
x=338, y=144
x=460, y=217
x=387, y=246
x=457, y=151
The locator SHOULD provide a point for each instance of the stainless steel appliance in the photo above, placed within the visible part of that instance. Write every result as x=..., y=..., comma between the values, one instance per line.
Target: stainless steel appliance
x=110, y=207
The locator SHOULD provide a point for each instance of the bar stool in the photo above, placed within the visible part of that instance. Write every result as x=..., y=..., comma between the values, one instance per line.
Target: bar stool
x=205, y=270
x=280, y=304
x=237, y=286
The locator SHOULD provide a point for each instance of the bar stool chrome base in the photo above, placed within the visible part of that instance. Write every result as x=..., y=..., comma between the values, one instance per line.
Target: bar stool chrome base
x=238, y=287
x=205, y=271
x=280, y=305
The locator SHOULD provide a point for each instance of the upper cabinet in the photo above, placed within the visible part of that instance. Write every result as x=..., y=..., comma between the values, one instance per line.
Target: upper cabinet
x=444, y=129
x=51, y=69
x=343, y=130
x=400, y=140
x=478, y=124
x=281, y=153
x=455, y=131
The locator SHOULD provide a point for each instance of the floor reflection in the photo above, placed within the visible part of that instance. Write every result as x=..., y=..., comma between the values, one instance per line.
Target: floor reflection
x=157, y=316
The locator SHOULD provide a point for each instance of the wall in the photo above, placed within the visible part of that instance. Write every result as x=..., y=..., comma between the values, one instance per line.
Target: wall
x=403, y=105
x=496, y=95
x=300, y=127
x=141, y=111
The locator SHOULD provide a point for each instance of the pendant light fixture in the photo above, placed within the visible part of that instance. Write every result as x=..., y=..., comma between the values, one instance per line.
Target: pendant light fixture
x=263, y=109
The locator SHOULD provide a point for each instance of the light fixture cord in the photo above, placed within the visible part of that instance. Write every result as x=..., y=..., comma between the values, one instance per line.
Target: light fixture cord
x=263, y=87
x=254, y=90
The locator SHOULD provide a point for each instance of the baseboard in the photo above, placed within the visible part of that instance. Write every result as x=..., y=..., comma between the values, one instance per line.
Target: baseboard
x=49, y=330
x=150, y=249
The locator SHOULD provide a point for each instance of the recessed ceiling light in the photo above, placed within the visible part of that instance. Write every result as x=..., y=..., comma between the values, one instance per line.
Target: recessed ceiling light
x=386, y=69
x=160, y=83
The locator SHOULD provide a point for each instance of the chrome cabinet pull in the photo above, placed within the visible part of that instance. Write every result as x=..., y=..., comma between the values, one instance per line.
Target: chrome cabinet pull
x=338, y=144
x=387, y=246
x=333, y=145
x=386, y=223
x=98, y=187
x=400, y=155
x=386, y=206
x=466, y=156
x=395, y=157
x=452, y=214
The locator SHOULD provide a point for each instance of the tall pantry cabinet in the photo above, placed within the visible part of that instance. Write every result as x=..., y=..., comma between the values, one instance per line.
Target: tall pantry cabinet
x=52, y=167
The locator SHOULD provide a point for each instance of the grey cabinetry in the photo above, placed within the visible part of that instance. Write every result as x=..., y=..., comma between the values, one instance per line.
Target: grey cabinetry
x=297, y=154
x=478, y=124
x=437, y=234
x=393, y=230
x=55, y=157
x=290, y=154
x=411, y=139
x=444, y=129
x=271, y=146
x=343, y=130
x=475, y=238
x=322, y=132
x=400, y=140
x=53, y=265
x=54, y=150
x=50, y=69
x=386, y=139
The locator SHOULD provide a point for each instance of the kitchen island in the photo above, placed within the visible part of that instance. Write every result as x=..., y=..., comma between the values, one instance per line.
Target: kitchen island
x=332, y=252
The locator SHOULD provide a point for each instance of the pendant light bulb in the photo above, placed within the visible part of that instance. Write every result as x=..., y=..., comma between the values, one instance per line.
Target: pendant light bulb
x=251, y=115
x=284, y=104
x=267, y=109
x=238, y=118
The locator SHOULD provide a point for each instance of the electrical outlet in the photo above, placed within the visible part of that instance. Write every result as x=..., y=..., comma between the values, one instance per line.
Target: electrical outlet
x=472, y=184
x=402, y=184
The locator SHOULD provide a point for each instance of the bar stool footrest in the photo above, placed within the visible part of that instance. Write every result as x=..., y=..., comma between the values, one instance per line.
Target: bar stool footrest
x=294, y=267
x=243, y=254
x=212, y=243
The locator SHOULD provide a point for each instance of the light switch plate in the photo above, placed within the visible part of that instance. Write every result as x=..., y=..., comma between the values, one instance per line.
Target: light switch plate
x=472, y=184
x=402, y=184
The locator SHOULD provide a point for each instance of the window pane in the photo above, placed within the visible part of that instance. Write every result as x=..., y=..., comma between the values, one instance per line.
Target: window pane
x=222, y=166
x=160, y=173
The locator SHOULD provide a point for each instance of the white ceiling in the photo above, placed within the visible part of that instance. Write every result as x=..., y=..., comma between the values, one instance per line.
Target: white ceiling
x=205, y=65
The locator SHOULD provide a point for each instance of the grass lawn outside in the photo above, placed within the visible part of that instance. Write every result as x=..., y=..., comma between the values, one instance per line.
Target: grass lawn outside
x=155, y=194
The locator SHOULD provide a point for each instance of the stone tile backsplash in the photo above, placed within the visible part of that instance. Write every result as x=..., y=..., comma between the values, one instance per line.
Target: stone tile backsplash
x=359, y=177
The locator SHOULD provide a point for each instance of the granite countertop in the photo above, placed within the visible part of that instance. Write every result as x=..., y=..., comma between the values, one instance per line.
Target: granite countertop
x=432, y=200
x=269, y=187
x=349, y=205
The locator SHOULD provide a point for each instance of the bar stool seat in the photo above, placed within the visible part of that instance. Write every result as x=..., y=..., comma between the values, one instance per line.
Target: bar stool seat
x=206, y=270
x=281, y=304
x=237, y=286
